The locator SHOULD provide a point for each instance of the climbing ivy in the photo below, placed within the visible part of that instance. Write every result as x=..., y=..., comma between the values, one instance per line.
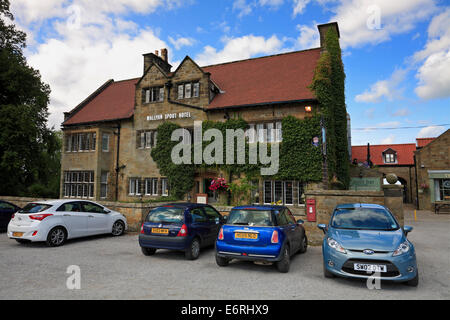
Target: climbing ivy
x=329, y=87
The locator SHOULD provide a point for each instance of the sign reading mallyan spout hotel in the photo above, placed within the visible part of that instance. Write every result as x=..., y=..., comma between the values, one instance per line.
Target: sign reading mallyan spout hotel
x=169, y=116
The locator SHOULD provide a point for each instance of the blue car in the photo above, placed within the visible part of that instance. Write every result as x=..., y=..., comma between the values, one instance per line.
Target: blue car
x=261, y=233
x=185, y=227
x=366, y=239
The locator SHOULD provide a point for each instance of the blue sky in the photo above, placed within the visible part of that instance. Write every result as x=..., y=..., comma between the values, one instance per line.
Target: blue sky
x=396, y=53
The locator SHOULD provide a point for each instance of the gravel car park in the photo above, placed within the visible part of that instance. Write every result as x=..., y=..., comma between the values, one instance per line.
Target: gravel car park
x=114, y=268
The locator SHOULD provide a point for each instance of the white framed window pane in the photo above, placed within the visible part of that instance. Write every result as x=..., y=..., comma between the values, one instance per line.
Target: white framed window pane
x=164, y=187
x=279, y=132
x=196, y=90
x=155, y=136
x=147, y=96
x=260, y=132
x=270, y=133
x=180, y=91
x=161, y=94
x=138, y=187
x=187, y=90
x=132, y=186
x=105, y=142
x=267, y=191
x=142, y=140
x=288, y=192
x=148, y=139
x=278, y=191
x=155, y=187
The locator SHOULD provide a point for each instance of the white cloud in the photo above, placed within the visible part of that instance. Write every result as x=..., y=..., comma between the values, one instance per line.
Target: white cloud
x=182, y=42
x=388, y=140
x=358, y=19
x=245, y=7
x=389, y=124
x=434, y=73
x=299, y=6
x=239, y=48
x=401, y=112
x=431, y=132
x=384, y=88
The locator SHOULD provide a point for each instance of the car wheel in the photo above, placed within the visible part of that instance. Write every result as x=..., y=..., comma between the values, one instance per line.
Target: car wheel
x=303, y=245
x=413, y=282
x=118, y=228
x=326, y=273
x=56, y=237
x=148, y=251
x=193, y=251
x=284, y=264
x=222, y=262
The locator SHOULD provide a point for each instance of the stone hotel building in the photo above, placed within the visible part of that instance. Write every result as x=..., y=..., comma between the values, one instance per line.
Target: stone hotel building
x=109, y=135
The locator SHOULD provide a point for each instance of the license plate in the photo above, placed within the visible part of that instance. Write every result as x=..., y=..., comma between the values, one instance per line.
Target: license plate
x=160, y=231
x=369, y=267
x=17, y=234
x=243, y=235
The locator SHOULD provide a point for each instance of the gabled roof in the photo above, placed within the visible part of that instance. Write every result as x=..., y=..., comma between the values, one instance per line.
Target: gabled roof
x=422, y=142
x=278, y=78
x=113, y=102
x=405, y=153
x=266, y=80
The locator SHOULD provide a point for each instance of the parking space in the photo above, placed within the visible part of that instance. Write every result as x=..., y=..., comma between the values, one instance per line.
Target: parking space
x=115, y=268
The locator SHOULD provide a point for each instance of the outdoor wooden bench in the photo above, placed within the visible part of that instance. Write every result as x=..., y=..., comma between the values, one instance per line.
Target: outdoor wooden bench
x=441, y=205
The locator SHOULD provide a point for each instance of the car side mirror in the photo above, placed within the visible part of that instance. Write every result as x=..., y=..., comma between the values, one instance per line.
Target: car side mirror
x=106, y=211
x=300, y=222
x=323, y=227
x=407, y=229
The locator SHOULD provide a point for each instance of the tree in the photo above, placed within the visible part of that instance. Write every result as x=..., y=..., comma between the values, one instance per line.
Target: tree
x=27, y=147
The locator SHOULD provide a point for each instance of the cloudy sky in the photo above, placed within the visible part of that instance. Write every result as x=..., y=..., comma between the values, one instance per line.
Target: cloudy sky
x=396, y=53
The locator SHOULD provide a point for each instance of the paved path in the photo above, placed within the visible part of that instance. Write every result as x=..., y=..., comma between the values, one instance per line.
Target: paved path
x=114, y=268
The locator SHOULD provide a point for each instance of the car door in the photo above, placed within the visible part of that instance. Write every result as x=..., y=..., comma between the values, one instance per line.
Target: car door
x=215, y=222
x=74, y=219
x=98, y=218
x=288, y=228
x=298, y=230
x=200, y=224
x=6, y=211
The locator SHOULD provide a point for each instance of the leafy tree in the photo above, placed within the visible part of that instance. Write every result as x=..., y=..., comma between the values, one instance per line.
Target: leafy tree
x=29, y=151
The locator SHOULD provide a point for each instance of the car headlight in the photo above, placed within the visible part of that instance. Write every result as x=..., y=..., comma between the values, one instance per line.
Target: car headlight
x=335, y=245
x=402, y=248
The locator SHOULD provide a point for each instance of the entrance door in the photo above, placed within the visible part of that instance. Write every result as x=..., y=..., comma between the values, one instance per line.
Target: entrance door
x=212, y=197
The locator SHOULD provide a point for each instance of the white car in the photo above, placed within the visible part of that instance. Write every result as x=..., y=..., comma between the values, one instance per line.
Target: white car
x=58, y=220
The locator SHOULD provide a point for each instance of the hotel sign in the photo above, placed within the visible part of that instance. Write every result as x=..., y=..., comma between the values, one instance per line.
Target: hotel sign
x=169, y=116
x=365, y=184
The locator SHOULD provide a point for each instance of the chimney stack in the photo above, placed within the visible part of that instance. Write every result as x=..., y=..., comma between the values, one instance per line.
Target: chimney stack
x=323, y=29
x=164, y=55
x=156, y=53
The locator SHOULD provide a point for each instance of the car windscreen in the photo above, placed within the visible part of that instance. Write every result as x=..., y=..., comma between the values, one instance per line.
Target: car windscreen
x=364, y=219
x=166, y=215
x=34, y=208
x=248, y=217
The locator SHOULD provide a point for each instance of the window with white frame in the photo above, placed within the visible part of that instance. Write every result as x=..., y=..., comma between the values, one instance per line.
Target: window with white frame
x=104, y=184
x=301, y=193
x=151, y=186
x=188, y=90
x=105, y=142
x=164, y=187
x=80, y=142
x=278, y=191
x=442, y=189
x=146, y=139
x=78, y=184
x=154, y=94
x=264, y=132
x=135, y=187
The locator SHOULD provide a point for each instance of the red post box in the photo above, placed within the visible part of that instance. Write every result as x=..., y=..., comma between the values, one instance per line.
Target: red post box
x=311, y=210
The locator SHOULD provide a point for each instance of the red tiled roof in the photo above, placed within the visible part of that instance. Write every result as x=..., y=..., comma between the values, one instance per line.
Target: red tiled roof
x=283, y=77
x=405, y=153
x=422, y=142
x=116, y=101
x=278, y=78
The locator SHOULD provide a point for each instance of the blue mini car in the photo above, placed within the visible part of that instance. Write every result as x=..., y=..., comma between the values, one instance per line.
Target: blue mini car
x=365, y=239
x=261, y=233
x=180, y=226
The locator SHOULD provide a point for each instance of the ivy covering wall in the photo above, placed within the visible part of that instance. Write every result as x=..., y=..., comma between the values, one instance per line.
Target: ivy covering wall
x=329, y=87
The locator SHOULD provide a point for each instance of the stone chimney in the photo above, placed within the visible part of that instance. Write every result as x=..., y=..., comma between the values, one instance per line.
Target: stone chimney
x=161, y=61
x=323, y=29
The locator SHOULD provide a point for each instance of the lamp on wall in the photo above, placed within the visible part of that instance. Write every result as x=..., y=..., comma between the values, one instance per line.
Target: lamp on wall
x=308, y=109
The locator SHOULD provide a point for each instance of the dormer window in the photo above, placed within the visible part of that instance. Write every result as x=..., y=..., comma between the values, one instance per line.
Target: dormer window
x=188, y=90
x=155, y=94
x=389, y=156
